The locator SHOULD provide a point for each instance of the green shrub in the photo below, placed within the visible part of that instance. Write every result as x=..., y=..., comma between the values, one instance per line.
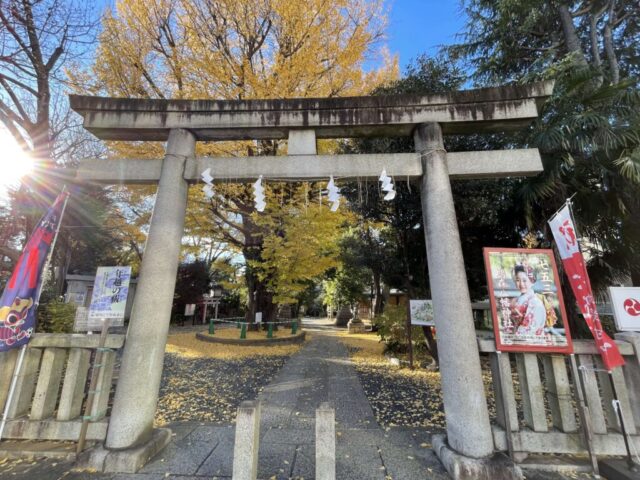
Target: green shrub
x=56, y=317
x=391, y=326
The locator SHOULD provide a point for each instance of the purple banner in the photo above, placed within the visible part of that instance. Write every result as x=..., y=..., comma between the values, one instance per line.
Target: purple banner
x=18, y=301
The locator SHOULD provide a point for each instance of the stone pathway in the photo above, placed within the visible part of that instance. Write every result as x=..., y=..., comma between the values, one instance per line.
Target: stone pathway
x=320, y=372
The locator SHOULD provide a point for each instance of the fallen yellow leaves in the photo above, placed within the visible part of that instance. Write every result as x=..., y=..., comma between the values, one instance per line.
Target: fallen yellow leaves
x=208, y=389
x=233, y=332
x=186, y=345
x=365, y=347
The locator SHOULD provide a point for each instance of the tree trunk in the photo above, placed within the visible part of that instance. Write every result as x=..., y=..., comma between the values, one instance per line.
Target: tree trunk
x=260, y=299
x=64, y=260
x=569, y=30
x=432, y=345
x=593, y=35
x=378, y=306
x=607, y=37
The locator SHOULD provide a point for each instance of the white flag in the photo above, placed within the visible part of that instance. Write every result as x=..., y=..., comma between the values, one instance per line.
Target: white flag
x=564, y=233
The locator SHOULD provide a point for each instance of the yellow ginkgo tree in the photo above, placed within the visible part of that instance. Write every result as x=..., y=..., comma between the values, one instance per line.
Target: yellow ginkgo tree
x=243, y=49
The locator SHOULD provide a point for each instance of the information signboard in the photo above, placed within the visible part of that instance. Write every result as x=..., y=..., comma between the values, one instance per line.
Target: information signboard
x=109, y=299
x=422, y=313
x=626, y=308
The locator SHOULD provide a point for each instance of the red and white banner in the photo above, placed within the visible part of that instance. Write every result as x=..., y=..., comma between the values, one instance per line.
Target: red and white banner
x=564, y=233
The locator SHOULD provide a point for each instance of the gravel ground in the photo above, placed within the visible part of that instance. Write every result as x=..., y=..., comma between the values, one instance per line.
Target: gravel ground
x=209, y=389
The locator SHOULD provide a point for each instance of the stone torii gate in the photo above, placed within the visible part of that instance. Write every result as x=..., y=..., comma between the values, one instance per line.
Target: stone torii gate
x=469, y=444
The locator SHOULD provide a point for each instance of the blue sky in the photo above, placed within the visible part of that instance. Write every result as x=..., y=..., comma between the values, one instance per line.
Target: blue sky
x=420, y=26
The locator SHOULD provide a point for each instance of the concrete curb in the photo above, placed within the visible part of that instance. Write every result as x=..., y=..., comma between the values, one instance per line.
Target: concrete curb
x=293, y=339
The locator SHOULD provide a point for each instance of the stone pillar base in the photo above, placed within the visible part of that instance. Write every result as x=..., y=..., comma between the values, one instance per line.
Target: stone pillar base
x=129, y=460
x=355, y=326
x=496, y=467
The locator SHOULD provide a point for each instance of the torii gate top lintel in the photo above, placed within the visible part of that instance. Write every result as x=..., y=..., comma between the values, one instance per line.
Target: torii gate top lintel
x=467, y=111
x=183, y=122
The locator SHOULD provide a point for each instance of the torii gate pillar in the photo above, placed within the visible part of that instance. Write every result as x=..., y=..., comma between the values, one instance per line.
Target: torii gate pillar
x=136, y=396
x=468, y=426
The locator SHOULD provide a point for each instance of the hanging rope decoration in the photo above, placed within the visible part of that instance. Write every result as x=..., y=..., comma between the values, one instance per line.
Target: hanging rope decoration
x=208, y=180
x=387, y=186
x=333, y=194
x=258, y=195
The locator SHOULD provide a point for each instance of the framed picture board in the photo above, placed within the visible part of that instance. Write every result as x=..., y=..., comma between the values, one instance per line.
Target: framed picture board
x=526, y=301
x=422, y=313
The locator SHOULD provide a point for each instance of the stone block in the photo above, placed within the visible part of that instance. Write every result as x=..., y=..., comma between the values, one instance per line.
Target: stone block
x=49, y=379
x=618, y=469
x=325, y=442
x=460, y=467
x=26, y=383
x=355, y=326
x=129, y=460
x=75, y=379
x=245, y=450
x=357, y=462
x=302, y=142
x=276, y=460
x=220, y=463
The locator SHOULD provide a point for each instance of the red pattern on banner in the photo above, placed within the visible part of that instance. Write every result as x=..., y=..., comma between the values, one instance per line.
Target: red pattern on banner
x=564, y=231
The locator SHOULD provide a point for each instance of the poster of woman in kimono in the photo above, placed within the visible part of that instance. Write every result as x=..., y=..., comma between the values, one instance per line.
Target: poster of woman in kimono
x=526, y=301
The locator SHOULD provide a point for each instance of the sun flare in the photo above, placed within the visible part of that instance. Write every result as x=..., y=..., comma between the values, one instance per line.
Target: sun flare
x=14, y=162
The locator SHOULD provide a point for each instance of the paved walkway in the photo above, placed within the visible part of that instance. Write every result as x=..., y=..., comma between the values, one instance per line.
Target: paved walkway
x=320, y=372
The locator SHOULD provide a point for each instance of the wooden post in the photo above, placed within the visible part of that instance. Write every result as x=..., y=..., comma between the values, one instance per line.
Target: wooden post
x=409, y=339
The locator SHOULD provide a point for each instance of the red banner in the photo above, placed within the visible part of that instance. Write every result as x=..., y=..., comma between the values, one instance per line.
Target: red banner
x=564, y=233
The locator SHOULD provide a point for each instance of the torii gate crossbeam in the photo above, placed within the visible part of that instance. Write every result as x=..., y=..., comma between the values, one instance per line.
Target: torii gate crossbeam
x=469, y=443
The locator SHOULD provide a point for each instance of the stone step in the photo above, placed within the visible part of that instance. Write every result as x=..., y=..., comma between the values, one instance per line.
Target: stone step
x=565, y=464
x=33, y=449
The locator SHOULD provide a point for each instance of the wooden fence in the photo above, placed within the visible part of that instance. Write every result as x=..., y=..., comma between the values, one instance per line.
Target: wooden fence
x=48, y=402
x=540, y=391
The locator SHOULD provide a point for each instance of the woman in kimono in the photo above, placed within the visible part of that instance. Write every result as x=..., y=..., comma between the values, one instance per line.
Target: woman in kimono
x=528, y=311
